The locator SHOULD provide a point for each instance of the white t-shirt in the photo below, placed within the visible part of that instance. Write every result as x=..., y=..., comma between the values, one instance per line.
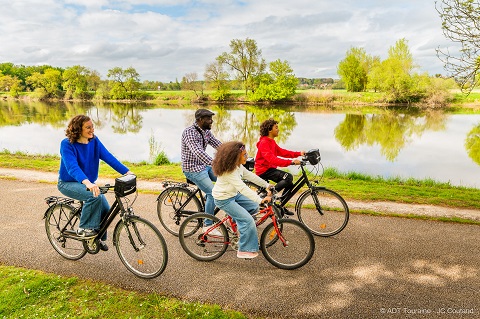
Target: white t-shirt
x=230, y=184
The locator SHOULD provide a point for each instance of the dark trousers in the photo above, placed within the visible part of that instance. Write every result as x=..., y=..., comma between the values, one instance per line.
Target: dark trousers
x=283, y=179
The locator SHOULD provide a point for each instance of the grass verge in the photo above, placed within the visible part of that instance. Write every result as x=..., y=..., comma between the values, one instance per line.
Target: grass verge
x=34, y=294
x=351, y=185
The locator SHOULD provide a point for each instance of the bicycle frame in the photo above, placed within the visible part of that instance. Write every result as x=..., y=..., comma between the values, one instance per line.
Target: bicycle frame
x=299, y=183
x=117, y=208
x=267, y=213
x=194, y=191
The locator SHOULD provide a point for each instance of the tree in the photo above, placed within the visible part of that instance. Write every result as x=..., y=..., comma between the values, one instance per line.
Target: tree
x=278, y=85
x=460, y=24
x=75, y=82
x=125, y=83
x=190, y=82
x=217, y=79
x=47, y=84
x=394, y=76
x=246, y=60
x=353, y=70
x=10, y=84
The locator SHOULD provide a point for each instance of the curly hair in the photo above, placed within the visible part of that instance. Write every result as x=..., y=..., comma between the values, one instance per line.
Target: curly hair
x=226, y=158
x=74, y=128
x=267, y=126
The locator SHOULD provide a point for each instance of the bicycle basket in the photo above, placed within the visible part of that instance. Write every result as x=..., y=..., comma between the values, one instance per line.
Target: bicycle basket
x=313, y=156
x=125, y=185
x=250, y=164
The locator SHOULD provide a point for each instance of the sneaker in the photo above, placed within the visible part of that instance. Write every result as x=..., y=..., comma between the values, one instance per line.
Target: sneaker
x=103, y=245
x=86, y=232
x=214, y=232
x=247, y=254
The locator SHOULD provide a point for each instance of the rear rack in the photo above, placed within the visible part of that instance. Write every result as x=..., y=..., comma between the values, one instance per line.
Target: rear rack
x=51, y=200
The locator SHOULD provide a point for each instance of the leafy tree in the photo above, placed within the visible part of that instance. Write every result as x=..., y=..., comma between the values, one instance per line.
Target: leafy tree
x=278, y=85
x=47, y=84
x=245, y=59
x=125, y=83
x=75, y=82
x=395, y=76
x=217, y=79
x=10, y=84
x=460, y=24
x=353, y=70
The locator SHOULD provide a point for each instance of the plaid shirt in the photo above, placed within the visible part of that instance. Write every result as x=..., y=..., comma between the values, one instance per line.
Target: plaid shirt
x=194, y=157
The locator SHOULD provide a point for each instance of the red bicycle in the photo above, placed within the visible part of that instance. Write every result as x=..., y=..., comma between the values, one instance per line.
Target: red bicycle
x=285, y=243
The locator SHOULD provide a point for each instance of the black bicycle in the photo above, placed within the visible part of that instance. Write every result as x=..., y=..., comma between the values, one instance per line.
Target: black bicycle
x=323, y=211
x=139, y=244
x=178, y=201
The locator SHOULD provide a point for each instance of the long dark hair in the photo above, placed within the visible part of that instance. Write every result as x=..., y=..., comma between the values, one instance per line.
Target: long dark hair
x=267, y=126
x=74, y=128
x=226, y=158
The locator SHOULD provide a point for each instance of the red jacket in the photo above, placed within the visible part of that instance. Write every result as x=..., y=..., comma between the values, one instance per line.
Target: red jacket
x=268, y=155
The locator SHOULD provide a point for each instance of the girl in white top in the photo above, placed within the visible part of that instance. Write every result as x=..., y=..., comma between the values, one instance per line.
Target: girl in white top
x=234, y=197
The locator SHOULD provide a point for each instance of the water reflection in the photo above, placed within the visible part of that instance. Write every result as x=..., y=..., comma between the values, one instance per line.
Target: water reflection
x=390, y=130
x=386, y=143
x=472, y=144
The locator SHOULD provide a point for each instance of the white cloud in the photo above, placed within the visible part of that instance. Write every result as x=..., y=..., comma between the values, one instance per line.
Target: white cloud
x=163, y=40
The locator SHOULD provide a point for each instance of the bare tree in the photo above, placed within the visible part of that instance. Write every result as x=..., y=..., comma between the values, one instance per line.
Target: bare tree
x=461, y=24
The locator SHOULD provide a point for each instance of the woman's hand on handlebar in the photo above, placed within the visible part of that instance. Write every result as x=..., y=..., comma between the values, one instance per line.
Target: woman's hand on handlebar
x=92, y=187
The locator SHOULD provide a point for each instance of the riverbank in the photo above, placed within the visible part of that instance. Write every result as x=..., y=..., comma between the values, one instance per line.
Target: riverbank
x=303, y=98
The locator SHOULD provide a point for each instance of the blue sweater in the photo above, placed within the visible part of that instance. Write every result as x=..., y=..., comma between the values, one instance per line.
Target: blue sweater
x=82, y=161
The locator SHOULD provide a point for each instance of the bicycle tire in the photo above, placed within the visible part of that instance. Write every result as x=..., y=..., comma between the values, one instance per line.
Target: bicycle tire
x=141, y=247
x=328, y=220
x=198, y=246
x=169, y=201
x=299, y=249
x=56, y=221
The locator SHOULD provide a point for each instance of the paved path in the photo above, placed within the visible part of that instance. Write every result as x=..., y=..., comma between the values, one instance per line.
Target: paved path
x=377, y=266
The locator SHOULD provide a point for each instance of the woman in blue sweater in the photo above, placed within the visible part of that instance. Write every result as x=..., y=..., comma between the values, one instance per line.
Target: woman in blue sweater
x=81, y=153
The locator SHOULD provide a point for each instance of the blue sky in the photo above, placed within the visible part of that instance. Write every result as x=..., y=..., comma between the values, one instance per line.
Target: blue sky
x=166, y=39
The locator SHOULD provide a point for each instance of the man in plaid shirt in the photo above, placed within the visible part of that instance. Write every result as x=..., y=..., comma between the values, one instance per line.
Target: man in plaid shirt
x=196, y=163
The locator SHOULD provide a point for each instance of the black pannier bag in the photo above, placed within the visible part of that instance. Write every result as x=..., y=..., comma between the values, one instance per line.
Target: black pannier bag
x=250, y=164
x=125, y=185
x=313, y=156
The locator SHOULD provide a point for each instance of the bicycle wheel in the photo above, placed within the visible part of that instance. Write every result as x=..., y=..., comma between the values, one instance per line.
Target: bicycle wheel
x=168, y=204
x=61, y=218
x=197, y=244
x=292, y=249
x=141, y=247
x=328, y=218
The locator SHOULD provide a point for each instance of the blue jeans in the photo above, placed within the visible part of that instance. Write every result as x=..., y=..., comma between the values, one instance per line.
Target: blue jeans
x=204, y=180
x=241, y=209
x=94, y=208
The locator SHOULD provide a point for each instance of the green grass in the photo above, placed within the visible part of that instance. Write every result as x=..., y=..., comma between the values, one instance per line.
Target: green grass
x=34, y=294
x=351, y=185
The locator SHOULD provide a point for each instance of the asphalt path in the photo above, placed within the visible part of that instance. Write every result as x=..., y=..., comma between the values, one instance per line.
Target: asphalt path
x=377, y=267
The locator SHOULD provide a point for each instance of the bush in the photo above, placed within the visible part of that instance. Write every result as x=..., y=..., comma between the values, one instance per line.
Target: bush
x=161, y=159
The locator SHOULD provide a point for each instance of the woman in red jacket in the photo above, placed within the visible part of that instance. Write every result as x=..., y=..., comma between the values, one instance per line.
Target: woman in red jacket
x=270, y=156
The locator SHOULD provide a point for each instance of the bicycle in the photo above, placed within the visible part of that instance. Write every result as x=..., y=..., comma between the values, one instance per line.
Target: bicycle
x=179, y=200
x=285, y=243
x=323, y=211
x=139, y=244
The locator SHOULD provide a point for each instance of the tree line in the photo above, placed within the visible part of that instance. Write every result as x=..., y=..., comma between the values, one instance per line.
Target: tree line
x=243, y=67
x=246, y=70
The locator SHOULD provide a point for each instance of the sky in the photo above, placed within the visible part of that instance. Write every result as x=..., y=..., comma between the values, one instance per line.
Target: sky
x=166, y=39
